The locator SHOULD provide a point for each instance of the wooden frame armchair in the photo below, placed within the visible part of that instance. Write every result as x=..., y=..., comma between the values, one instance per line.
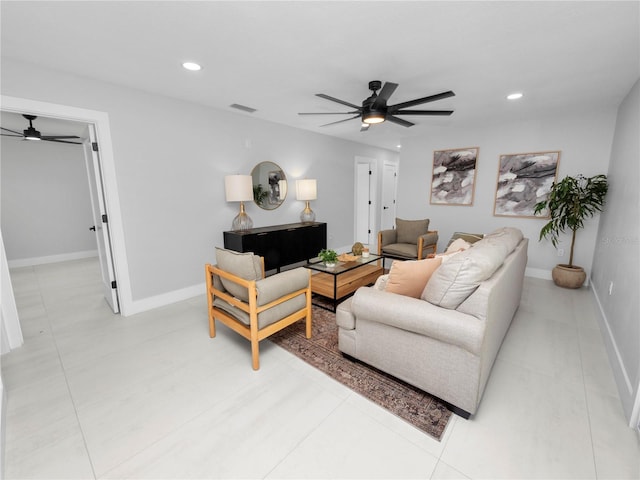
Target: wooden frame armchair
x=270, y=305
x=411, y=240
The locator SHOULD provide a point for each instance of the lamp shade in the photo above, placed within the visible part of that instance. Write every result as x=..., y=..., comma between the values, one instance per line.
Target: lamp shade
x=306, y=189
x=238, y=188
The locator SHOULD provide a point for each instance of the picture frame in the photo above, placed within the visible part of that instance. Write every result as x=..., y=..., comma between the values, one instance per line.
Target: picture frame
x=524, y=179
x=453, y=176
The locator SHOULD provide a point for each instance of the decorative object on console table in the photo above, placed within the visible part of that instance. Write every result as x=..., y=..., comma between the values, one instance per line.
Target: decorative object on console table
x=280, y=245
x=307, y=189
x=239, y=188
x=570, y=202
x=523, y=180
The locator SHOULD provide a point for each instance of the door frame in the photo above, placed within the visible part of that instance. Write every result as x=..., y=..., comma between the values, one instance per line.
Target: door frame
x=394, y=188
x=373, y=208
x=100, y=121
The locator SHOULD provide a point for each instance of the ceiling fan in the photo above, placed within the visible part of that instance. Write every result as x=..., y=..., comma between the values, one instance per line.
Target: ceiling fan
x=374, y=109
x=32, y=134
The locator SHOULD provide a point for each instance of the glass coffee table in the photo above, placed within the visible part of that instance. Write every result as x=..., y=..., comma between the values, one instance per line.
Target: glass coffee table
x=336, y=283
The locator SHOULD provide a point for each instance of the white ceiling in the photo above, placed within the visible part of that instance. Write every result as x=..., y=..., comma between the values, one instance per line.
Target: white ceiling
x=274, y=56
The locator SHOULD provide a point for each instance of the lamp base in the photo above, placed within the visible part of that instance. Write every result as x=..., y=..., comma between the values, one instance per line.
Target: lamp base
x=242, y=220
x=307, y=215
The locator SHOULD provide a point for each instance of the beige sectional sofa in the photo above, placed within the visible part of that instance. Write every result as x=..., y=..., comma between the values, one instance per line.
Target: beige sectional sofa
x=445, y=342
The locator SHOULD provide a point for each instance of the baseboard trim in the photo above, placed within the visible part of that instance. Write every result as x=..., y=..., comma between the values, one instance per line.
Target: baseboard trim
x=162, y=300
x=631, y=405
x=537, y=273
x=64, y=257
x=610, y=340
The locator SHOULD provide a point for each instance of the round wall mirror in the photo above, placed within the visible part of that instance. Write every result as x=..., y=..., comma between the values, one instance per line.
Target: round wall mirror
x=269, y=185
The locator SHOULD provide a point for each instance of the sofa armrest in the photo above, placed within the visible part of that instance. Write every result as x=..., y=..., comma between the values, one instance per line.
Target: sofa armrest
x=419, y=316
x=386, y=237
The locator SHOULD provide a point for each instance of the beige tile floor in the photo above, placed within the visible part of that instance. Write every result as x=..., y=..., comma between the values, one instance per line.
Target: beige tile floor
x=96, y=395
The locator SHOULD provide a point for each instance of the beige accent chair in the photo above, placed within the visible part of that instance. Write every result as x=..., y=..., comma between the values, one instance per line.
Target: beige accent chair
x=410, y=240
x=239, y=296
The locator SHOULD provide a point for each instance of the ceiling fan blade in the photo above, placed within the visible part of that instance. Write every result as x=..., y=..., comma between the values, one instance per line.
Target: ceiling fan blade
x=57, y=137
x=399, y=121
x=340, y=121
x=337, y=100
x=12, y=131
x=384, y=94
x=7, y=135
x=423, y=112
x=61, y=141
x=328, y=113
x=418, y=101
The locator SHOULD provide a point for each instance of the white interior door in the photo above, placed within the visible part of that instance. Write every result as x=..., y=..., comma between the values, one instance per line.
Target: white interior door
x=100, y=219
x=363, y=203
x=388, y=214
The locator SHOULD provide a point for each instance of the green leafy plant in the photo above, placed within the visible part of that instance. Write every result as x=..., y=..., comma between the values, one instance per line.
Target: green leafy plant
x=570, y=202
x=259, y=194
x=328, y=256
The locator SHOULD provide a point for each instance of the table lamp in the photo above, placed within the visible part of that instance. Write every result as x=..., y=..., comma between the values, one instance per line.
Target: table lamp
x=239, y=188
x=306, y=190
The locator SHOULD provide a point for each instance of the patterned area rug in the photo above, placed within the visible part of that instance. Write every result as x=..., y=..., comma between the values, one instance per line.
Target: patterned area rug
x=321, y=351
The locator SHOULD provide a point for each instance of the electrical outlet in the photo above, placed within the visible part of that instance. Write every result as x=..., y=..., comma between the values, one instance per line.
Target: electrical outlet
x=610, y=288
x=561, y=252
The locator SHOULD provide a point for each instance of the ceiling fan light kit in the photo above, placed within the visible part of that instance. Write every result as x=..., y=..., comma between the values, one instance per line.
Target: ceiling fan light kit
x=374, y=109
x=32, y=134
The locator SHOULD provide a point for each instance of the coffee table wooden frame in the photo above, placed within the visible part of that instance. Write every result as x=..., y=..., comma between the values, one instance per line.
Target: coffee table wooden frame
x=336, y=283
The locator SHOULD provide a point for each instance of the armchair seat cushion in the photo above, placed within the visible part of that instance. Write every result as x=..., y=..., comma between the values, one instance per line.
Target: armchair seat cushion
x=268, y=316
x=404, y=250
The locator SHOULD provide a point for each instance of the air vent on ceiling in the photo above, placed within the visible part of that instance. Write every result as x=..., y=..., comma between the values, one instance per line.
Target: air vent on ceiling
x=242, y=107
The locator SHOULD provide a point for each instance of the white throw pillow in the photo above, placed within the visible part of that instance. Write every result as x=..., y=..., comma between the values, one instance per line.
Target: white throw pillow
x=456, y=279
x=457, y=244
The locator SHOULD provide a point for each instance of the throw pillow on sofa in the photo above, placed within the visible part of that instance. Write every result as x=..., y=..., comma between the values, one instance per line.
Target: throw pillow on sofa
x=457, y=245
x=459, y=277
x=410, y=277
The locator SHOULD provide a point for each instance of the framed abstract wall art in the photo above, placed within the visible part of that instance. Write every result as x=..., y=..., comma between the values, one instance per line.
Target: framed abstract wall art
x=524, y=179
x=453, y=180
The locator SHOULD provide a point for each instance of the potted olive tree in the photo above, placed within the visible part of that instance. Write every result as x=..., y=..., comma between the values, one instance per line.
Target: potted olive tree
x=570, y=202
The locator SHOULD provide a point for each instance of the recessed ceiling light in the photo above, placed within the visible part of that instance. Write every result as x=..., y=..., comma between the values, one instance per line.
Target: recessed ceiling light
x=194, y=67
x=399, y=146
x=514, y=96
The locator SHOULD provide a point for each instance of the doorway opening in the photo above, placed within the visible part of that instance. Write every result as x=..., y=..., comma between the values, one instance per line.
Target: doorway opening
x=103, y=186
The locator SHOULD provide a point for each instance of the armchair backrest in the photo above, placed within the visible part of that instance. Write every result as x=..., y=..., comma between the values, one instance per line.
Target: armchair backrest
x=244, y=265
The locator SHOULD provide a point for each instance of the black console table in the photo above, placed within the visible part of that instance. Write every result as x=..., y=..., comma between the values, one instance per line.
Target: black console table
x=280, y=245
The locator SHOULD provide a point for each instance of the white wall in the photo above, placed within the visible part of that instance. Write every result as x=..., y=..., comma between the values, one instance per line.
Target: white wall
x=44, y=195
x=617, y=253
x=171, y=158
x=584, y=142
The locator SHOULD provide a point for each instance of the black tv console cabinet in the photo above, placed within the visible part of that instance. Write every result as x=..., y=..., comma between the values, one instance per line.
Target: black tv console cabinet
x=280, y=245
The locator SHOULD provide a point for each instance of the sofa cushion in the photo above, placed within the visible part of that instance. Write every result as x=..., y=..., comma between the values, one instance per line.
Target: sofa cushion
x=410, y=277
x=459, y=277
x=243, y=265
x=410, y=230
